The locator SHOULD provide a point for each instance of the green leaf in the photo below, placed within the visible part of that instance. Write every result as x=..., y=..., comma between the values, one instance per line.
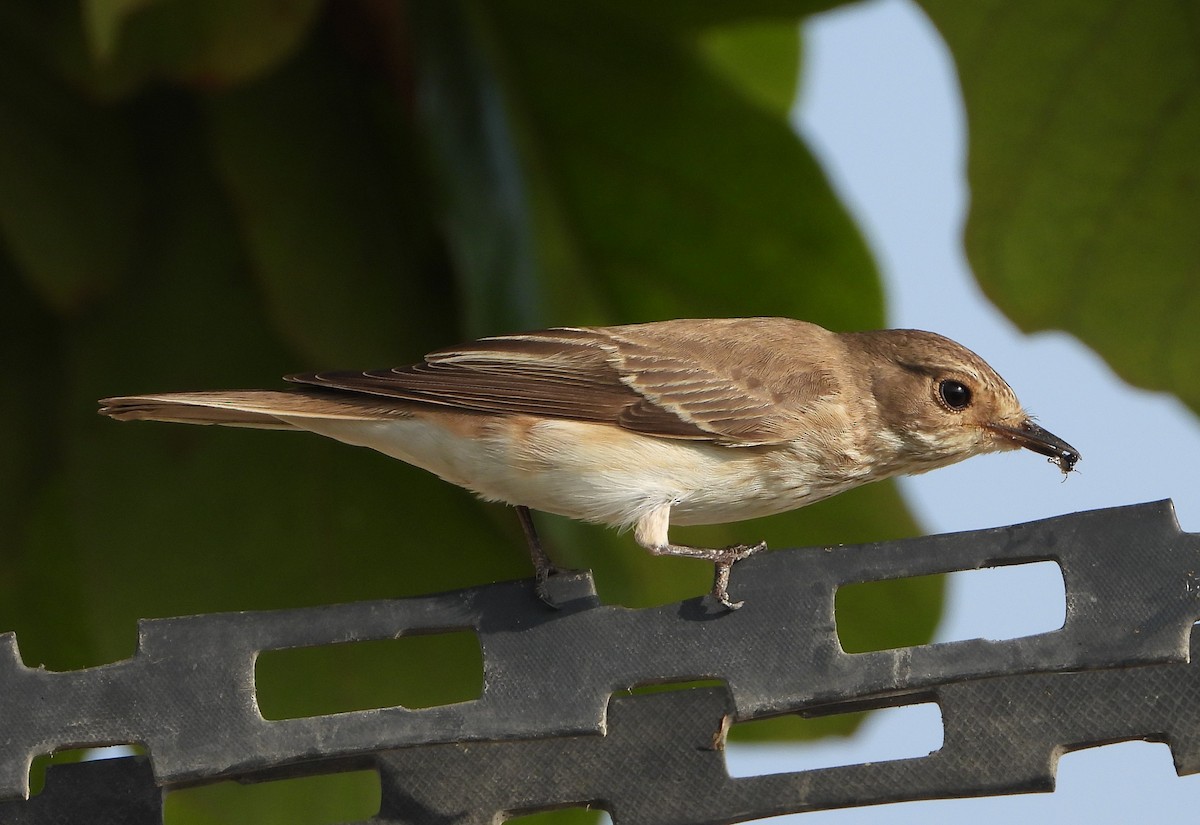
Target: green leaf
x=483, y=196
x=657, y=181
x=1084, y=120
x=334, y=215
x=757, y=56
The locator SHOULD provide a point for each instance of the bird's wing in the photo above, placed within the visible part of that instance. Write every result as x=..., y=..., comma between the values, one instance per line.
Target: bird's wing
x=651, y=379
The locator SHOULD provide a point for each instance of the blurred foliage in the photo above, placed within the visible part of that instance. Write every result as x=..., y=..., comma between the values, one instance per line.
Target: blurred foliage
x=202, y=194
x=213, y=194
x=1084, y=121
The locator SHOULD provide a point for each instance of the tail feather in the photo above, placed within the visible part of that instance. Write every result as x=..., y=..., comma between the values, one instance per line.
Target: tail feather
x=263, y=409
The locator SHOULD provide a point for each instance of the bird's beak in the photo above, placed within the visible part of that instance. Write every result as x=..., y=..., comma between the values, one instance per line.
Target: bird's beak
x=1032, y=437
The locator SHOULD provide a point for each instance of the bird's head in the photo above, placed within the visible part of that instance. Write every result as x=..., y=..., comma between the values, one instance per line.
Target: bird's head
x=940, y=403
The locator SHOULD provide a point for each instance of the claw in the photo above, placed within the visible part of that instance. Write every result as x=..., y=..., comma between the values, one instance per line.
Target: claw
x=723, y=566
x=542, y=576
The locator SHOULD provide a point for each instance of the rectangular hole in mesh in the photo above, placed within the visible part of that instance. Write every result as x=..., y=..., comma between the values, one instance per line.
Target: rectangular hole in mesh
x=308, y=800
x=1004, y=602
x=646, y=688
x=563, y=816
x=418, y=671
x=901, y=732
x=67, y=756
x=1144, y=765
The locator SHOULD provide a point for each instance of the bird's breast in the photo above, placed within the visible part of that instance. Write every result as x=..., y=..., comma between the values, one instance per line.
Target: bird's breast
x=597, y=472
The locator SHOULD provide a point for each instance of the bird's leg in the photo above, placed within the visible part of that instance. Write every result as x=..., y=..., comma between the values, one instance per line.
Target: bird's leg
x=723, y=558
x=651, y=533
x=542, y=565
x=543, y=568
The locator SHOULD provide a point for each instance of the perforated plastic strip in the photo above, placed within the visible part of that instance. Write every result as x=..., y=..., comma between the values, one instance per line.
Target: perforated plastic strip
x=188, y=692
x=661, y=764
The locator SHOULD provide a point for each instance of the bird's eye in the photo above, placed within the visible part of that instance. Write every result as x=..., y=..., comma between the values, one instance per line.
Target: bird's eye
x=954, y=394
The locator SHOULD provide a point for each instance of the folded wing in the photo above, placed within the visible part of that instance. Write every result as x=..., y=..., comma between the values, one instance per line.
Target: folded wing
x=643, y=378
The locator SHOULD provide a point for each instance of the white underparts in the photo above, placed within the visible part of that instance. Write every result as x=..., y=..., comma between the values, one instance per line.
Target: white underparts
x=593, y=472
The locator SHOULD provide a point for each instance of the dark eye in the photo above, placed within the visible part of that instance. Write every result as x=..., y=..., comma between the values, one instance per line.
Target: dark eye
x=954, y=394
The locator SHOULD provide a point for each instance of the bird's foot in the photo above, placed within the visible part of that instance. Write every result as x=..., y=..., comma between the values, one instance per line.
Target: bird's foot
x=556, y=586
x=545, y=570
x=723, y=557
x=724, y=564
x=542, y=576
x=737, y=552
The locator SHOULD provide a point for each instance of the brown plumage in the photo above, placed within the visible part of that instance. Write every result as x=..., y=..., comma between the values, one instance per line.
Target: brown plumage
x=686, y=422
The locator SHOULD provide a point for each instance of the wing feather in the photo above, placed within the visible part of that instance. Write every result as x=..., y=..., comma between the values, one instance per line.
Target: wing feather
x=246, y=408
x=711, y=381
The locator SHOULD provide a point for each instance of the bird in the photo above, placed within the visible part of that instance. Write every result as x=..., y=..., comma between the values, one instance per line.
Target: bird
x=645, y=426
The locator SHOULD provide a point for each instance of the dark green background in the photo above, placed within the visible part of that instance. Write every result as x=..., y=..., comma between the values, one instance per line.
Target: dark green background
x=212, y=193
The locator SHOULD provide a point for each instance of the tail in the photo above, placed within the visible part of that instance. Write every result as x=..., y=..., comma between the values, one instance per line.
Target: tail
x=261, y=409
